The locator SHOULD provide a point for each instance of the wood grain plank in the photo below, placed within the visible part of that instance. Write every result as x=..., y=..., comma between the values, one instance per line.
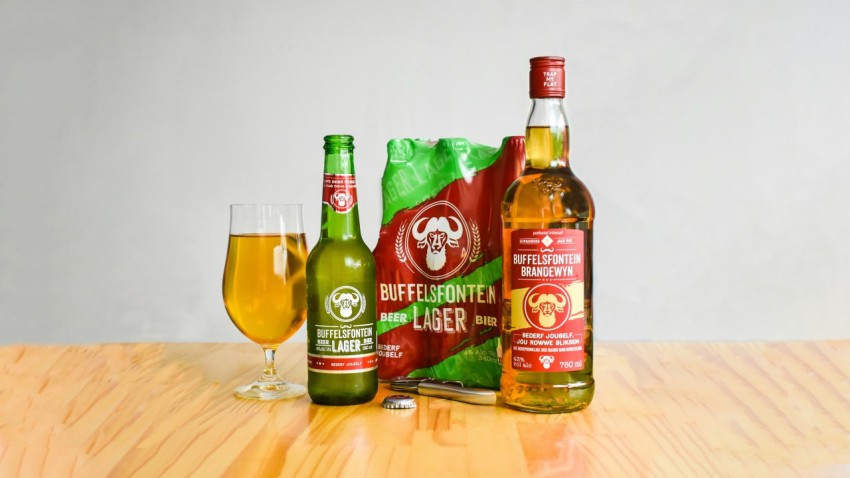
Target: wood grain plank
x=661, y=409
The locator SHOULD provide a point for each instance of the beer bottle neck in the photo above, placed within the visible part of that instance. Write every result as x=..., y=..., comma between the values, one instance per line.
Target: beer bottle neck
x=547, y=135
x=340, y=212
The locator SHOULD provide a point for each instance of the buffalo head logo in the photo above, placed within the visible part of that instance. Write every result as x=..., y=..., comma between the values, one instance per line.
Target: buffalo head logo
x=547, y=360
x=341, y=198
x=547, y=306
x=344, y=301
x=437, y=234
x=438, y=241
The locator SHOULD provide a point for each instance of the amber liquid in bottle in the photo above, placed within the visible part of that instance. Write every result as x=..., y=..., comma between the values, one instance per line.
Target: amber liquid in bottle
x=547, y=196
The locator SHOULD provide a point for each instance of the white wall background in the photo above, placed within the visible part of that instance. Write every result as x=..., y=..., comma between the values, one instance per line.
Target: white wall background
x=713, y=134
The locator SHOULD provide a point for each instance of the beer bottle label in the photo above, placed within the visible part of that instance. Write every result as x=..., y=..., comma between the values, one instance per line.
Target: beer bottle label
x=547, y=300
x=340, y=192
x=344, y=342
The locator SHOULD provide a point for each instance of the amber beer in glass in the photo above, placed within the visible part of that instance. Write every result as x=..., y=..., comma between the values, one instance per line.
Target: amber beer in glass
x=264, y=286
x=547, y=215
x=341, y=334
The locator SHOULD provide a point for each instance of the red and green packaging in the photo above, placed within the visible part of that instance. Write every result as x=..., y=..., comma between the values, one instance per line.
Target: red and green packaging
x=439, y=259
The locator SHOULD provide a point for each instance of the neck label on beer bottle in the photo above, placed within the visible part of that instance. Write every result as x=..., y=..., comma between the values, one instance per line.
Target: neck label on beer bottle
x=340, y=192
x=547, y=300
x=343, y=344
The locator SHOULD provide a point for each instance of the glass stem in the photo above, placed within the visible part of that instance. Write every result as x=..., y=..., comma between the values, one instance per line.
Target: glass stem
x=269, y=371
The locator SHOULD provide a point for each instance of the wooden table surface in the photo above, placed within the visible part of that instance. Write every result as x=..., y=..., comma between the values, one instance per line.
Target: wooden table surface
x=661, y=409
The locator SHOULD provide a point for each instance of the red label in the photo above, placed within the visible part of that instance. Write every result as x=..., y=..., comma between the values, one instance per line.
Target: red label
x=547, y=300
x=342, y=364
x=340, y=192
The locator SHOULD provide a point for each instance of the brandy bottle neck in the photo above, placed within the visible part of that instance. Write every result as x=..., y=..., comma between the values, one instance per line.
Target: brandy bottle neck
x=547, y=135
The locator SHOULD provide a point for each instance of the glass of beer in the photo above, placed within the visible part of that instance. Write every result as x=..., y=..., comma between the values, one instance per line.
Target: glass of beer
x=264, y=286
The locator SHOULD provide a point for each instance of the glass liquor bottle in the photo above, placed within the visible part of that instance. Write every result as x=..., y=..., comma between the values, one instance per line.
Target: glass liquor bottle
x=547, y=216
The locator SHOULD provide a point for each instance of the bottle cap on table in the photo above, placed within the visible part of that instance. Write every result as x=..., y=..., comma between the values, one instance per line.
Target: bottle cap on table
x=399, y=401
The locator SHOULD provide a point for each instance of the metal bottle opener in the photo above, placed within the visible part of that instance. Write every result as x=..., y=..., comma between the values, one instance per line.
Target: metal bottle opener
x=448, y=389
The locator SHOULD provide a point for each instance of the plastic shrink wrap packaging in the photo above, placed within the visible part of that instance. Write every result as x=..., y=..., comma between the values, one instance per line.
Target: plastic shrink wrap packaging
x=439, y=259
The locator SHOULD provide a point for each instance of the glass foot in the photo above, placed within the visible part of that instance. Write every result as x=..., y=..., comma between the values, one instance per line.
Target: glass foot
x=277, y=390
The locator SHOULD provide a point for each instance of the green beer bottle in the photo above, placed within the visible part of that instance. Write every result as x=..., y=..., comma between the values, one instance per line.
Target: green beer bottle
x=342, y=364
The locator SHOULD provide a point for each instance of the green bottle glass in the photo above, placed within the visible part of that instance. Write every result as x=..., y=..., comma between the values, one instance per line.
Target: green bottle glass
x=342, y=364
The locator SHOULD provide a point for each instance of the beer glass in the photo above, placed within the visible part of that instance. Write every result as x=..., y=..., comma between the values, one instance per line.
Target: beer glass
x=264, y=286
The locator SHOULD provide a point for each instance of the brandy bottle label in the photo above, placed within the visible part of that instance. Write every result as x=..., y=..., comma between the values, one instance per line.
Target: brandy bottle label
x=547, y=300
x=340, y=192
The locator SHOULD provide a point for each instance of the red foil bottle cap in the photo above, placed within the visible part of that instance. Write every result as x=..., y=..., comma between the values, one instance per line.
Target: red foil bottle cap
x=546, y=79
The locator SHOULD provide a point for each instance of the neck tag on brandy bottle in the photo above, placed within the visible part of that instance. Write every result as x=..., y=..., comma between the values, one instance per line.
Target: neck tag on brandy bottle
x=340, y=192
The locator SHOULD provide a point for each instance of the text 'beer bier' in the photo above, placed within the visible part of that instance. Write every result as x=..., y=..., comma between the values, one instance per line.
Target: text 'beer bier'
x=341, y=336
x=440, y=260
